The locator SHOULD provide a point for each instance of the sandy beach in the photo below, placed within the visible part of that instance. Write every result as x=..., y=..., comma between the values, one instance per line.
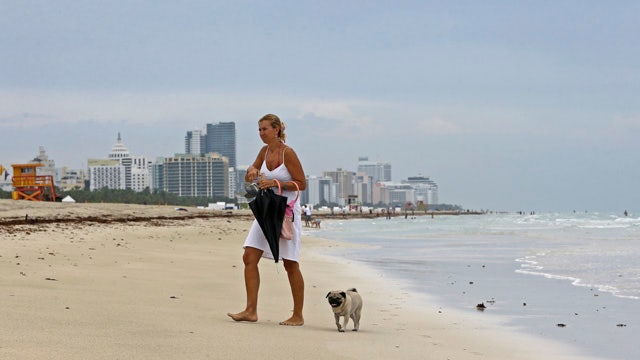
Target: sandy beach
x=115, y=281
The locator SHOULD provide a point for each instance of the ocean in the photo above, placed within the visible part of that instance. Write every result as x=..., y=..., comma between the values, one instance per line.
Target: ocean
x=568, y=277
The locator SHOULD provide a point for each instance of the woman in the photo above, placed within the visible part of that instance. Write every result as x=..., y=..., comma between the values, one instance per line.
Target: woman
x=278, y=161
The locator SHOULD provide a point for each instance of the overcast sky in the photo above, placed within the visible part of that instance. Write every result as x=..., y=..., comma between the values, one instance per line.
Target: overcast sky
x=507, y=105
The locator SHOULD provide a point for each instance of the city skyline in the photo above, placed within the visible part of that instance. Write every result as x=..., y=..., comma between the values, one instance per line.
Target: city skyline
x=509, y=105
x=209, y=172
x=122, y=146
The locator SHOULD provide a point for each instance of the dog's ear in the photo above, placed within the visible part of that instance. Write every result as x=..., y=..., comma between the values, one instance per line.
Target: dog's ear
x=344, y=294
x=329, y=293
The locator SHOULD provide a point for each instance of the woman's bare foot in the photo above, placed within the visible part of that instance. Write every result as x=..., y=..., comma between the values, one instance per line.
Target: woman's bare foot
x=293, y=321
x=244, y=316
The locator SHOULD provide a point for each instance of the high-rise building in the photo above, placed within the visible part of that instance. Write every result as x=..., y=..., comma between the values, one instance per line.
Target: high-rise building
x=394, y=194
x=120, y=170
x=319, y=191
x=233, y=182
x=364, y=188
x=140, y=173
x=195, y=175
x=109, y=173
x=49, y=167
x=344, y=181
x=221, y=138
x=240, y=172
x=194, y=142
x=426, y=190
x=376, y=170
x=121, y=153
x=157, y=174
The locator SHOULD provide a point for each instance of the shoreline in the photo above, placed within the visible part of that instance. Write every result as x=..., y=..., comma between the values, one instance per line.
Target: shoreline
x=460, y=269
x=14, y=211
x=161, y=288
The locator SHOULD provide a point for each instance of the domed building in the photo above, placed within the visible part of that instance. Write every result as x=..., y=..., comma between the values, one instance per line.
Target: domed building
x=120, y=170
x=119, y=151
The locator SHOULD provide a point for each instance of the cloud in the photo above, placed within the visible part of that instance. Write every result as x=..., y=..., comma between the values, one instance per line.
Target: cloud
x=622, y=131
x=626, y=123
x=30, y=108
x=328, y=109
x=341, y=117
x=438, y=126
x=24, y=120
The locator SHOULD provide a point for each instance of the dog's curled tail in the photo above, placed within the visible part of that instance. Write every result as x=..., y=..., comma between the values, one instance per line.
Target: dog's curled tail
x=353, y=289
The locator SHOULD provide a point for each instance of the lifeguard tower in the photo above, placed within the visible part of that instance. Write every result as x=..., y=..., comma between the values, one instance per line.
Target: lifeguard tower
x=28, y=185
x=352, y=202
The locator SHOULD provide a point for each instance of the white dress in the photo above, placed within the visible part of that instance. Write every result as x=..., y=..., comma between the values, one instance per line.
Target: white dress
x=289, y=249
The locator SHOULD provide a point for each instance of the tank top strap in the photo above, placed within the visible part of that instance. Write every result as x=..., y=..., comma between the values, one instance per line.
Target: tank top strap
x=283, y=150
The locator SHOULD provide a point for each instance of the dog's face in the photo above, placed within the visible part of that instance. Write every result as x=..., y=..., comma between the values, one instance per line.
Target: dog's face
x=336, y=298
x=346, y=305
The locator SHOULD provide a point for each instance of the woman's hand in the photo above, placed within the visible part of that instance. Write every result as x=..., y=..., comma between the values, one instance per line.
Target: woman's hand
x=252, y=174
x=267, y=183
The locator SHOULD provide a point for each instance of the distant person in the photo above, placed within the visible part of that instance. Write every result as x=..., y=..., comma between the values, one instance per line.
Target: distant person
x=307, y=216
x=626, y=213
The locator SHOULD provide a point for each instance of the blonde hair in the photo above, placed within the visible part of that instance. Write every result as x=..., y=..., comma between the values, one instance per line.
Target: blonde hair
x=276, y=123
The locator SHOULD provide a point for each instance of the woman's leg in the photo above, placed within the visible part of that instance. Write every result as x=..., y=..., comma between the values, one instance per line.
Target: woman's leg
x=297, y=290
x=250, y=258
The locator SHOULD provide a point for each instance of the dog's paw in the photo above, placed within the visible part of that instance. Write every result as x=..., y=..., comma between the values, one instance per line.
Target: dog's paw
x=354, y=330
x=341, y=330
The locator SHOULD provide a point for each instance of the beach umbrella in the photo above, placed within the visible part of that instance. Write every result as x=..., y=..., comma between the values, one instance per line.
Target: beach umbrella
x=268, y=208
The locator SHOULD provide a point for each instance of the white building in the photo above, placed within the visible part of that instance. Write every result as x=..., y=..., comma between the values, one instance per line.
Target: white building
x=194, y=142
x=140, y=173
x=320, y=191
x=390, y=193
x=5, y=179
x=71, y=179
x=120, y=170
x=426, y=189
x=109, y=173
x=378, y=171
x=343, y=184
x=233, y=182
x=364, y=188
x=49, y=167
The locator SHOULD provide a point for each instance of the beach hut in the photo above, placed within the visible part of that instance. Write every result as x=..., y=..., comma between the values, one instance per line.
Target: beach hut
x=68, y=199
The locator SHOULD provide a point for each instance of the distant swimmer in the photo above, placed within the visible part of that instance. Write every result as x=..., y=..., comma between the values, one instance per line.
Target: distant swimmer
x=626, y=213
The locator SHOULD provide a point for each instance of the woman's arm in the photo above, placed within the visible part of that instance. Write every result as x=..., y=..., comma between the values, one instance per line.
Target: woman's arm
x=294, y=167
x=254, y=170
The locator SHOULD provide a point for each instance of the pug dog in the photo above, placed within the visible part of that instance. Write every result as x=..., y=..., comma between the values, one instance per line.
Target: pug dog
x=347, y=304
